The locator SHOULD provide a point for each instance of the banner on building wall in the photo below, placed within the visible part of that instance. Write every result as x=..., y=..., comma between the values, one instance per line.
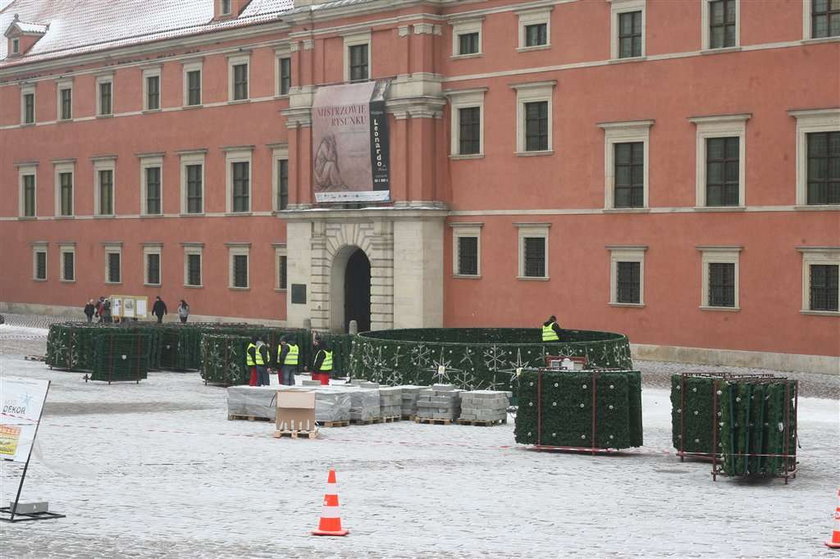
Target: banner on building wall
x=350, y=157
x=22, y=400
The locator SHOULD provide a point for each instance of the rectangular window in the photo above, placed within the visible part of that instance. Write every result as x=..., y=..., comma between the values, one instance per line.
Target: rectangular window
x=195, y=189
x=469, y=133
x=153, y=268
x=629, y=175
x=467, y=256
x=534, y=255
x=825, y=18
x=15, y=46
x=41, y=265
x=824, y=287
x=152, y=93
x=536, y=35
x=153, y=198
x=241, y=171
x=28, y=195
x=628, y=282
x=113, y=265
x=468, y=43
x=282, y=271
x=105, y=98
x=66, y=100
x=536, y=126
x=225, y=7
x=68, y=265
x=106, y=192
x=193, y=87
x=285, y=71
x=823, y=167
x=194, y=269
x=629, y=34
x=65, y=186
x=240, y=81
x=29, y=108
x=721, y=284
x=722, y=23
x=240, y=270
x=282, y=184
x=358, y=62
x=722, y=171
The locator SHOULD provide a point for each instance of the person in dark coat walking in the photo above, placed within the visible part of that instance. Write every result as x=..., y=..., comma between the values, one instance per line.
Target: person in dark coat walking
x=159, y=309
x=90, y=310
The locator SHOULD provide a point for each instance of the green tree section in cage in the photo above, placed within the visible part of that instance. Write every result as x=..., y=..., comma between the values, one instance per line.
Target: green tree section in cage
x=588, y=409
x=121, y=356
x=475, y=358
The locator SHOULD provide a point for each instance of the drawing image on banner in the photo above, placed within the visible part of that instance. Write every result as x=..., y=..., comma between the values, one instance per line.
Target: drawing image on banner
x=22, y=401
x=350, y=143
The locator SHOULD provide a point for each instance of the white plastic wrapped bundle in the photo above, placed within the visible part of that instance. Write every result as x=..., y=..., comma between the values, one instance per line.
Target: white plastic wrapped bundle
x=364, y=404
x=252, y=401
x=408, y=394
x=484, y=405
x=332, y=404
x=390, y=401
x=439, y=402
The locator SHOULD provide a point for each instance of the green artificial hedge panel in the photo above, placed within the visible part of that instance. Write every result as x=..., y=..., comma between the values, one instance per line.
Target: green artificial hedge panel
x=588, y=409
x=223, y=359
x=121, y=356
x=72, y=345
x=475, y=358
x=692, y=416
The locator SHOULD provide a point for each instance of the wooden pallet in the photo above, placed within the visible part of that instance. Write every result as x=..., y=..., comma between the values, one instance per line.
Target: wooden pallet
x=34, y=357
x=432, y=421
x=408, y=417
x=296, y=434
x=344, y=423
x=482, y=422
x=365, y=421
x=233, y=417
x=391, y=419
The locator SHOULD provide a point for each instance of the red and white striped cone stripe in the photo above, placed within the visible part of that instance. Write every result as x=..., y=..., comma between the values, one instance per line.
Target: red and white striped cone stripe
x=834, y=542
x=330, y=524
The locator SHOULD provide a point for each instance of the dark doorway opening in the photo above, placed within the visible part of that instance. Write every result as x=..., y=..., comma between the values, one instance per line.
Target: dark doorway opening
x=357, y=291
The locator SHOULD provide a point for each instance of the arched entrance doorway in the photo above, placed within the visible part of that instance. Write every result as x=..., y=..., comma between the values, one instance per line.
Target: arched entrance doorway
x=357, y=291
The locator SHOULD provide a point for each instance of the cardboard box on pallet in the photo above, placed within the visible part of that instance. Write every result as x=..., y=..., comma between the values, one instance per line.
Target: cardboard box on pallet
x=295, y=410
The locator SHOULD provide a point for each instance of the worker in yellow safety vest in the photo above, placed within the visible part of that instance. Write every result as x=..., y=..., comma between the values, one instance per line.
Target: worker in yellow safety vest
x=288, y=358
x=551, y=330
x=251, y=361
x=323, y=364
x=261, y=359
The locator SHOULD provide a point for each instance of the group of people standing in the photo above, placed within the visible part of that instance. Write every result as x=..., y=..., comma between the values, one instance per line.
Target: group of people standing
x=101, y=309
x=286, y=360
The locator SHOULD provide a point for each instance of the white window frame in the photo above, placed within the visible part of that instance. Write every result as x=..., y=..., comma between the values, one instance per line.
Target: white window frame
x=60, y=167
x=154, y=72
x=618, y=7
x=236, y=60
x=619, y=133
x=24, y=171
x=466, y=26
x=37, y=248
x=465, y=99
x=626, y=253
x=280, y=251
x=113, y=248
x=530, y=93
x=534, y=17
x=279, y=53
x=193, y=248
x=527, y=230
x=106, y=78
x=60, y=86
x=459, y=230
x=238, y=249
x=63, y=249
x=239, y=155
x=807, y=122
x=352, y=40
x=24, y=91
x=807, y=30
x=196, y=157
x=719, y=255
x=705, y=22
x=222, y=4
x=720, y=126
x=278, y=152
x=105, y=164
x=150, y=249
x=185, y=92
x=816, y=256
x=149, y=161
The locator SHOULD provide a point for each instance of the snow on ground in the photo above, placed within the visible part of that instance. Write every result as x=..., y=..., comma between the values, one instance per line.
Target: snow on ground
x=155, y=469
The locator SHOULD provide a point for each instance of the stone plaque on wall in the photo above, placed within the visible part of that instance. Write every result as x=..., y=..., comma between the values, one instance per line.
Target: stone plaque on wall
x=299, y=293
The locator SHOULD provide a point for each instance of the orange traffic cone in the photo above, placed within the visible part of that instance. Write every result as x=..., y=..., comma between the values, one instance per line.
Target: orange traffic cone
x=834, y=542
x=330, y=524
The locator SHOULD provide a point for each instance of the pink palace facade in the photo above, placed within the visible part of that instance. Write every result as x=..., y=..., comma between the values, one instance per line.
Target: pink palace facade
x=667, y=169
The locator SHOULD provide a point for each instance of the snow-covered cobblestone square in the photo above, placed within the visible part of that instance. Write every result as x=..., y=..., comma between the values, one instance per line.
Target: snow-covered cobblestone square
x=155, y=469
